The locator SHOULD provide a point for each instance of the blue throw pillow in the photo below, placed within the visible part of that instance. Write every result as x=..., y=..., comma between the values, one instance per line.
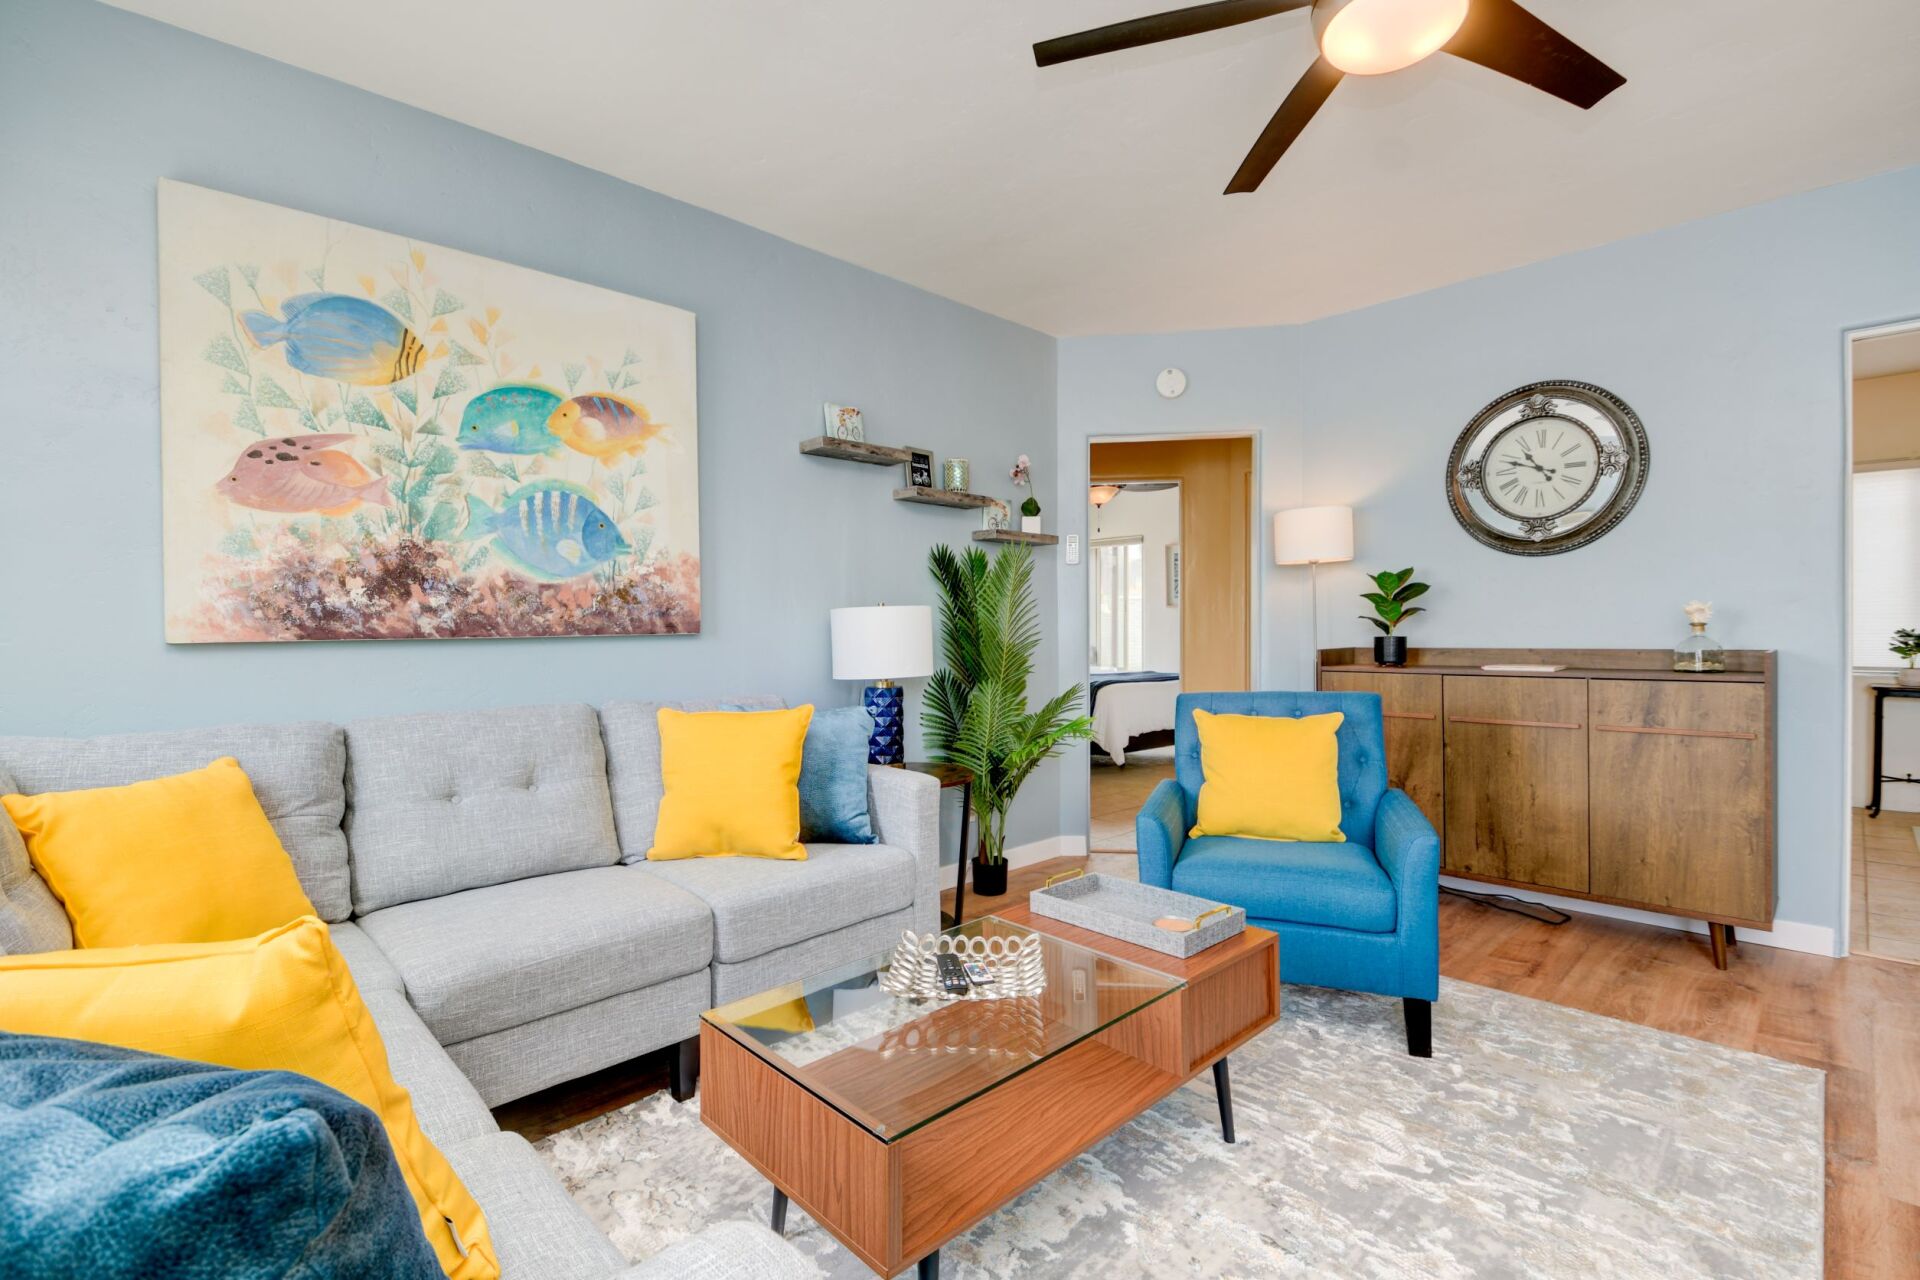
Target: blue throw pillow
x=117, y=1165
x=833, y=777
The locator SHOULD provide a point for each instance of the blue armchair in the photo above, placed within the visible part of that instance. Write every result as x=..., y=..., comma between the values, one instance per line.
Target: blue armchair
x=1360, y=916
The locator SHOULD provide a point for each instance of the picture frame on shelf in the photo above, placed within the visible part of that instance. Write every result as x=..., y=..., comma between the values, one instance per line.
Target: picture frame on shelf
x=997, y=517
x=844, y=422
x=919, y=467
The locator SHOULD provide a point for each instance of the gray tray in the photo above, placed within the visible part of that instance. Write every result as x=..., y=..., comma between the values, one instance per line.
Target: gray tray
x=1126, y=909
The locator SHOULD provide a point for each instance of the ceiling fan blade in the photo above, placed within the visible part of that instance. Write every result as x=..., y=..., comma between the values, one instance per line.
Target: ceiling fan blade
x=1293, y=115
x=1503, y=37
x=1157, y=27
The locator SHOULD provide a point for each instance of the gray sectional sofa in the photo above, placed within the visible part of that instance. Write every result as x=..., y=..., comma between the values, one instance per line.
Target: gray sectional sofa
x=485, y=876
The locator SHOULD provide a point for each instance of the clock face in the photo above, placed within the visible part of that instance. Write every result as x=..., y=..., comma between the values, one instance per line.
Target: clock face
x=1541, y=467
x=1547, y=468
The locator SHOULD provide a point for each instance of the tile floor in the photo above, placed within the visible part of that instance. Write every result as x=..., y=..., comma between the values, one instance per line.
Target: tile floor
x=1886, y=885
x=1118, y=791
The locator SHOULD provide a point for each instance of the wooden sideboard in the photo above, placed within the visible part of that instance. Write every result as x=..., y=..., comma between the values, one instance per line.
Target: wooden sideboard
x=1617, y=779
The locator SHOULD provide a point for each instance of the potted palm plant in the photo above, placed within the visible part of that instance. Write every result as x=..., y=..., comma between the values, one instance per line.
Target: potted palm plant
x=975, y=711
x=1389, y=597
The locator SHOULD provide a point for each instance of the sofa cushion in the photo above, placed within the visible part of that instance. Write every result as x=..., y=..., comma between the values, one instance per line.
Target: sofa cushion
x=448, y=801
x=632, y=734
x=297, y=771
x=1292, y=882
x=486, y=959
x=538, y=1231
x=31, y=918
x=759, y=906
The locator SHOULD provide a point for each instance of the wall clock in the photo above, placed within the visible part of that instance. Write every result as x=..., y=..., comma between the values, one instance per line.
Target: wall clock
x=1547, y=467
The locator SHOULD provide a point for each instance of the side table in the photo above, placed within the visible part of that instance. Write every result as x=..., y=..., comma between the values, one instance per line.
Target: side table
x=1881, y=692
x=953, y=775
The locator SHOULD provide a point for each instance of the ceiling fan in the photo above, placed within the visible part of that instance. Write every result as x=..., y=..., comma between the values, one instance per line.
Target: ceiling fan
x=1367, y=38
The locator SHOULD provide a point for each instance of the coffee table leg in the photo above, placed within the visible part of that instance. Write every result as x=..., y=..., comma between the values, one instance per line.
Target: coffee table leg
x=779, y=1212
x=930, y=1266
x=1223, y=1087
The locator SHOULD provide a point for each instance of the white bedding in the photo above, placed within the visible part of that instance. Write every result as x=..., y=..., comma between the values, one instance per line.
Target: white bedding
x=1125, y=710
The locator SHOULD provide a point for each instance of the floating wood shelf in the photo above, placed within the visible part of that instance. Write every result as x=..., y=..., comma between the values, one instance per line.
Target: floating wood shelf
x=1014, y=535
x=942, y=497
x=877, y=455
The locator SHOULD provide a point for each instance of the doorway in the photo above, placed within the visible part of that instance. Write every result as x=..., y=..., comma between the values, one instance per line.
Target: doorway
x=1169, y=608
x=1883, y=877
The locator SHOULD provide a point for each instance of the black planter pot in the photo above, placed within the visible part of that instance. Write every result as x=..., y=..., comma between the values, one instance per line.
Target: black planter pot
x=1390, y=651
x=989, y=878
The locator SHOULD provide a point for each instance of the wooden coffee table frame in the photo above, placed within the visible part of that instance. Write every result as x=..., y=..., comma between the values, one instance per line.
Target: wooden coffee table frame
x=892, y=1203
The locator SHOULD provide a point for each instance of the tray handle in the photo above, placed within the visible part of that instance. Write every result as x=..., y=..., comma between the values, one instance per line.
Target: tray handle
x=1205, y=916
x=1064, y=875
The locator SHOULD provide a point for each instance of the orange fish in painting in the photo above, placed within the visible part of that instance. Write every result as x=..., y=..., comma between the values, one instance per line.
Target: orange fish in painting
x=603, y=426
x=299, y=474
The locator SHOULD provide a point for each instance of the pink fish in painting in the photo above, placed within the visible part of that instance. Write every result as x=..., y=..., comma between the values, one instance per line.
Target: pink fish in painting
x=300, y=474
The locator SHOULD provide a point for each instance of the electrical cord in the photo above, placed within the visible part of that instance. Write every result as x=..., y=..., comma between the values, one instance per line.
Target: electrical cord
x=1520, y=906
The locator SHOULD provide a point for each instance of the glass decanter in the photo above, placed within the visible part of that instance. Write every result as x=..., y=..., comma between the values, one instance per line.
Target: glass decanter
x=1699, y=652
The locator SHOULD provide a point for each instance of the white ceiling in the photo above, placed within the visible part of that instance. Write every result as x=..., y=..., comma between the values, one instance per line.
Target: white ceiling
x=916, y=137
x=1886, y=355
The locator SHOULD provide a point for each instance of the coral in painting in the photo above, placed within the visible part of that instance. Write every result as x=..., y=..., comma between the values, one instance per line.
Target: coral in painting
x=361, y=441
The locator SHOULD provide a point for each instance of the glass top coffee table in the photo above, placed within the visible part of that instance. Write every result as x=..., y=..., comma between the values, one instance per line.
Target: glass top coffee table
x=898, y=1123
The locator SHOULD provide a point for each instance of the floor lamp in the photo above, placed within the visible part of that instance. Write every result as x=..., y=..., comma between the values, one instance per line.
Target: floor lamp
x=1313, y=536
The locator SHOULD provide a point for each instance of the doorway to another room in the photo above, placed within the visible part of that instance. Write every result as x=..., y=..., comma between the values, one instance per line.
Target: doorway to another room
x=1884, y=869
x=1169, y=549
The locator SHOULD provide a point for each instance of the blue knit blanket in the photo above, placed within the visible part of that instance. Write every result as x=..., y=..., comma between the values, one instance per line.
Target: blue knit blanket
x=116, y=1165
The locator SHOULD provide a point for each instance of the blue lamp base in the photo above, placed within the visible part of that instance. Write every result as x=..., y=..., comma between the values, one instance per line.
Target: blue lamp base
x=885, y=703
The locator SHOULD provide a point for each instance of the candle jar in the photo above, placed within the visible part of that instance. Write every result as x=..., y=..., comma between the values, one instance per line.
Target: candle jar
x=957, y=473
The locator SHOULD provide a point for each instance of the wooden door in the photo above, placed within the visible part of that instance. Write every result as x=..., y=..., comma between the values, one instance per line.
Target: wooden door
x=1516, y=779
x=1681, y=812
x=1410, y=705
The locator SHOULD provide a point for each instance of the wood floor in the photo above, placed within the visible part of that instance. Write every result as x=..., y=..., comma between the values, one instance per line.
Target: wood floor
x=1886, y=885
x=1856, y=1019
x=1116, y=793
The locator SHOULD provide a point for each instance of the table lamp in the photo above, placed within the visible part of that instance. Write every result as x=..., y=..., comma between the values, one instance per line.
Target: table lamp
x=1313, y=536
x=883, y=643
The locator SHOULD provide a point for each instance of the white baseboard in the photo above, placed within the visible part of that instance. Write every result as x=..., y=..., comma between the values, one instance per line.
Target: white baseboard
x=1023, y=855
x=1790, y=935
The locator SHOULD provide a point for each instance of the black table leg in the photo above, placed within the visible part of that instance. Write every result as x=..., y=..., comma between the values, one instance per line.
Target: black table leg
x=1223, y=1087
x=779, y=1222
x=960, y=868
x=930, y=1266
x=1879, y=719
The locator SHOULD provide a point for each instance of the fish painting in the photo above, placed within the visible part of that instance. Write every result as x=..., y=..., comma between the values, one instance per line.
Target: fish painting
x=550, y=530
x=603, y=426
x=298, y=474
x=339, y=337
x=510, y=419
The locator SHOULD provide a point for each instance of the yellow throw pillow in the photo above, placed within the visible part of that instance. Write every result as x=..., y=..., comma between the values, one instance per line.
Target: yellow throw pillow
x=732, y=784
x=282, y=1001
x=189, y=858
x=1269, y=777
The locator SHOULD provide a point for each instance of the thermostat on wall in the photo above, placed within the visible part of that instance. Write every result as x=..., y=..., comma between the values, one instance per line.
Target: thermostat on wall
x=1172, y=383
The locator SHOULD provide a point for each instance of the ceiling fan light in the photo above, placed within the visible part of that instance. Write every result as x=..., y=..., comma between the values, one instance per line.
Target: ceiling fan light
x=1373, y=37
x=1101, y=494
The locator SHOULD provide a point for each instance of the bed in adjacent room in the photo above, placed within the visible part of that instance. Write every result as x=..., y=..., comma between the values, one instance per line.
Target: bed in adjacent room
x=1132, y=710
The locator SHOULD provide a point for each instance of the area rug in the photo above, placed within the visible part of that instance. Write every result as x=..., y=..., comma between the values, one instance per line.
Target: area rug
x=1538, y=1141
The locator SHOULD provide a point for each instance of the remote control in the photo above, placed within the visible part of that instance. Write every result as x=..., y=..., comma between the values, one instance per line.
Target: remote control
x=952, y=974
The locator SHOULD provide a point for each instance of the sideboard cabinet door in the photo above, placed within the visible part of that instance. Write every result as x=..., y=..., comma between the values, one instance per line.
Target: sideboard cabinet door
x=1681, y=812
x=1411, y=707
x=1516, y=779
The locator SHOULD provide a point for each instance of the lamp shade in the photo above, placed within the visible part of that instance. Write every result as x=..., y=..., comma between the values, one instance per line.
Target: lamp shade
x=882, y=642
x=1313, y=535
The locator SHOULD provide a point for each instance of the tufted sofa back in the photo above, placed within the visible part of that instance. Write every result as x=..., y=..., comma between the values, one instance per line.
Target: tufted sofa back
x=1363, y=756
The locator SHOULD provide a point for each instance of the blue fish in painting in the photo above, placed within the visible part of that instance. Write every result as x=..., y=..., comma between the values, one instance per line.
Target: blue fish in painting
x=340, y=338
x=510, y=419
x=550, y=530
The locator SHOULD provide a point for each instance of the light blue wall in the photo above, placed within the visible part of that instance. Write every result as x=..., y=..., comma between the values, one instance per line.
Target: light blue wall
x=96, y=105
x=1725, y=336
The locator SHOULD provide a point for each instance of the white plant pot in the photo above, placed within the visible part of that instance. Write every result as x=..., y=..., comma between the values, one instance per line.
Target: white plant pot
x=1908, y=677
x=1031, y=524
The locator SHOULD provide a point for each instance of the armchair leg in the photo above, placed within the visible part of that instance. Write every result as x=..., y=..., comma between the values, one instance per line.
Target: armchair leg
x=686, y=1067
x=1419, y=1027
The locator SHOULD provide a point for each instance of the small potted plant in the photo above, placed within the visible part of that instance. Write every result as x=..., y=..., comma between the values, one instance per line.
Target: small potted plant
x=1022, y=475
x=1906, y=643
x=1389, y=598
